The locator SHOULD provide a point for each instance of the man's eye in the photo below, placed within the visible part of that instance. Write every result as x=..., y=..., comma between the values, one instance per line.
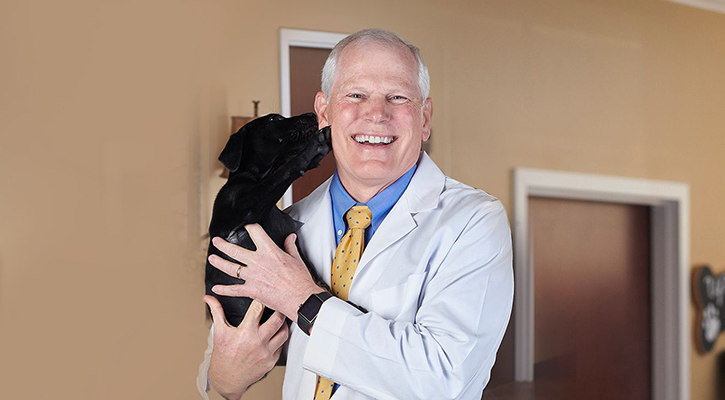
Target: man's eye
x=355, y=95
x=398, y=98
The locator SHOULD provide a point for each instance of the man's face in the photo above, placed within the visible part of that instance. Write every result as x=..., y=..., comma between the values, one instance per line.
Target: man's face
x=377, y=115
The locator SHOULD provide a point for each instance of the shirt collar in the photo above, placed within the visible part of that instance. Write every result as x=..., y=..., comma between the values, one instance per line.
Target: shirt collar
x=380, y=205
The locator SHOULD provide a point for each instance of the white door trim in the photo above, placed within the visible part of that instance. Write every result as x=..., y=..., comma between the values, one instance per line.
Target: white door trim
x=299, y=38
x=712, y=5
x=670, y=202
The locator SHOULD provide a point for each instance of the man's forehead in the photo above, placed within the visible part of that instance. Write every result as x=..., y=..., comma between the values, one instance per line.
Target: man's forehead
x=392, y=50
x=377, y=63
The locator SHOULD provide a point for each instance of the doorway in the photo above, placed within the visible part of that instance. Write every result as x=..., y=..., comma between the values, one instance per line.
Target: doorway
x=668, y=209
x=592, y=299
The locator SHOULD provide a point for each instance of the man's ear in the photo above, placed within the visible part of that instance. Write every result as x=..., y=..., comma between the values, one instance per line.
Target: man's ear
x=321, y=109
x=427, y=117
x=232, y=153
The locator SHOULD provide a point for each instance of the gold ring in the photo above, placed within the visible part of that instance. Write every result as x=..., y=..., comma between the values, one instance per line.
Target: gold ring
x=239, y=270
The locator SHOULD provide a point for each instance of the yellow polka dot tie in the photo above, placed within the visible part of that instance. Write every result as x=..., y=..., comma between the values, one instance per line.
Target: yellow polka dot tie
x=347, y=256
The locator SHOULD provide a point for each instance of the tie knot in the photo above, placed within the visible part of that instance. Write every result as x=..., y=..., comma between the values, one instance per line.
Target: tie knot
x=359, y=217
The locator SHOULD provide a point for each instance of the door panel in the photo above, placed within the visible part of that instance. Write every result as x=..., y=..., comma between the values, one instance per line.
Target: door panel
x=592, y=297
x=592, y=304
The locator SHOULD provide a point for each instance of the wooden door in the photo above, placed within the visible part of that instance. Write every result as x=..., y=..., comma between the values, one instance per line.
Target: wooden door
x=592, y=303
x=305, y=75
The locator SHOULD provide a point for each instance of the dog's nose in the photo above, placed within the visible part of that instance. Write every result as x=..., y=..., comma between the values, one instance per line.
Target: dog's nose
x=327, y=133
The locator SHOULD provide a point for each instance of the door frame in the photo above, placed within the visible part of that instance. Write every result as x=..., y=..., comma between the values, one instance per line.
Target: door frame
x=670, y=269
x=298, y=38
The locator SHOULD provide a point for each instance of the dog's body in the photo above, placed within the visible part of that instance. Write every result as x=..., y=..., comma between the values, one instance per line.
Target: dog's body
x=264, y=157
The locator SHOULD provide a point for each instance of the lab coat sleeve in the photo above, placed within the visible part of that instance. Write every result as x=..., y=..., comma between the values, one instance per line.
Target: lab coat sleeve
x=463, y=313
x=202, y=379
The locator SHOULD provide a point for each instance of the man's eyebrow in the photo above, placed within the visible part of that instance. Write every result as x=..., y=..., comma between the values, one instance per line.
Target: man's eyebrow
x=392, y=90
x=353, y=87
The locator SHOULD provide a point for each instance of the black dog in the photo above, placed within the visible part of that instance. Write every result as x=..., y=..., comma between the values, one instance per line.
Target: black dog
x=264, y=157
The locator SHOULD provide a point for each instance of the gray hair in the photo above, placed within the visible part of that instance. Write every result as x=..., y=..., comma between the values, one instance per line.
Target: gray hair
x=380, y=36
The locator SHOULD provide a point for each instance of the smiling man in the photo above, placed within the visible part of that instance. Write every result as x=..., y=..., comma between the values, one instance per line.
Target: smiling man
x=379, y=115
x=419, y=265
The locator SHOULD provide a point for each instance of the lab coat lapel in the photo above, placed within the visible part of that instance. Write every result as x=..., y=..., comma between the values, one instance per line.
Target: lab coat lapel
x=422, y=194
x=316, y=239
x=316, y=235
x=308, y=384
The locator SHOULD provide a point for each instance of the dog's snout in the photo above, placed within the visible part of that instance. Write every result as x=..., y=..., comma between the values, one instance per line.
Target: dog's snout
x=324, y=135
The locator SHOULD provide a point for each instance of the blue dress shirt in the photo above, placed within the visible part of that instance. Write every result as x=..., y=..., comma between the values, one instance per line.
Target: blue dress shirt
x=380, y=205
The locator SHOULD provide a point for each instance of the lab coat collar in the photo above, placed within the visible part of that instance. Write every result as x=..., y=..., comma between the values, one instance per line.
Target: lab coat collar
x=315, y=214
x=422, y=194
x=426, y=186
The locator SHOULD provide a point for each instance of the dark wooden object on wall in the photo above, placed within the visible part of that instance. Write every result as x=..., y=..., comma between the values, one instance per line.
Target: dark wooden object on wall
x=708, y=291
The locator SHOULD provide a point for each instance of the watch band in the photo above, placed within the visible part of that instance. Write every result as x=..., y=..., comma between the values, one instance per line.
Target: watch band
x=307, y=313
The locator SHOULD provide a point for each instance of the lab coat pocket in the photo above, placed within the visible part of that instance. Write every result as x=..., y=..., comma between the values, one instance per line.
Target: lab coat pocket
x=398, y=302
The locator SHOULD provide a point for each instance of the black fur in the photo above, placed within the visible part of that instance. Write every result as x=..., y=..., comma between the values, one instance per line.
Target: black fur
x=264, y=157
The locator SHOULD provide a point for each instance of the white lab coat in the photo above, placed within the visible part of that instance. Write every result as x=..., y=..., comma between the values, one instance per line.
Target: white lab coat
x=437, y=280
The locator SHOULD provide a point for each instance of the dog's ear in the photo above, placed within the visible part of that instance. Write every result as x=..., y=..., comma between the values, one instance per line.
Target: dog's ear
x=232, y=153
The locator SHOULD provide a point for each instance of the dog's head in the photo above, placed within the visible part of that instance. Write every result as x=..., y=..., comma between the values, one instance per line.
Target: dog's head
x=266, y=143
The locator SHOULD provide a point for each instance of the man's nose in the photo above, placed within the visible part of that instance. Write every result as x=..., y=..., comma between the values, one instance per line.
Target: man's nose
x=377, y=110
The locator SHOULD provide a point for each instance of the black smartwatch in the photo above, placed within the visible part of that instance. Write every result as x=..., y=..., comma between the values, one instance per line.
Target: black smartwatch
x=307, y=313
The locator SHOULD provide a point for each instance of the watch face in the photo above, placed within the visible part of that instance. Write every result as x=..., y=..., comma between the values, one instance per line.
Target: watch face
x=310, y=308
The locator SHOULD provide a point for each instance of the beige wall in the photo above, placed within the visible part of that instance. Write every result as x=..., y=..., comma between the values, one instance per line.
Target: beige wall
x=110, y=115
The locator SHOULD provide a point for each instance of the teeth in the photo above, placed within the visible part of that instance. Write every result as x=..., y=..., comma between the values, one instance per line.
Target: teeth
x=373, y=139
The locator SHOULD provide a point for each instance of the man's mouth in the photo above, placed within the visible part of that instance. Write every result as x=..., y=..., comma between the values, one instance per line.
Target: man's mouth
x=375, y=140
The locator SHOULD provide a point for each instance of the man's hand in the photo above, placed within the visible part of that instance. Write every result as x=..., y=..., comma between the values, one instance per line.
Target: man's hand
x=278, y=279
x=242, y=355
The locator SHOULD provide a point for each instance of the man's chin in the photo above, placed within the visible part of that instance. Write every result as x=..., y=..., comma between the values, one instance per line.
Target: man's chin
x=382, y=177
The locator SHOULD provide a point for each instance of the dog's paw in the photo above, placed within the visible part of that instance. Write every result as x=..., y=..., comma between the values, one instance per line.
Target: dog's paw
x=238, y=236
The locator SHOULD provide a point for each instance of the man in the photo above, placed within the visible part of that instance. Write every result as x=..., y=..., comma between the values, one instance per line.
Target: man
x=433, y=281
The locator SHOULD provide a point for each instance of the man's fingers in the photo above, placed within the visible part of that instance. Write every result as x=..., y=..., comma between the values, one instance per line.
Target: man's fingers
x=276, y=354
x=228, y=267
x=271, y=326
x=279, y=338
x=259, y=237
x=253, y=315
x=232, y=250
x=217, y=312
x=232, y=290
x=290, y=246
